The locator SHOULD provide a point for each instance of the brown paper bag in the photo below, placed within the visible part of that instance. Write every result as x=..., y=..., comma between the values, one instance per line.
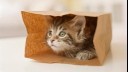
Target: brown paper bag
x=37, y=26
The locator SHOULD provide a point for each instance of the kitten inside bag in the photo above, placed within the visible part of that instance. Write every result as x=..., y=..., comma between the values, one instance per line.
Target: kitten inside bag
x=72, y=37
x=67, y=36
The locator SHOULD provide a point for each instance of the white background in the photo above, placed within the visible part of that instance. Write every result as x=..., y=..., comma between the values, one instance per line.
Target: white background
x=12, y=35
x=11, y=24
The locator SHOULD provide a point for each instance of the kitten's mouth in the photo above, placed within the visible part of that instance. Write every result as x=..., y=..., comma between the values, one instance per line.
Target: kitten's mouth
x=53, y=45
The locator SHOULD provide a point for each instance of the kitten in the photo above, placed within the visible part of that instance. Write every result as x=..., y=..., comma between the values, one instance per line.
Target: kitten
x=66, y=36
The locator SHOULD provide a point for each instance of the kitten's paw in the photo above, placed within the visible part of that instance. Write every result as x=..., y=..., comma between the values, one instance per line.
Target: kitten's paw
x=85, y=55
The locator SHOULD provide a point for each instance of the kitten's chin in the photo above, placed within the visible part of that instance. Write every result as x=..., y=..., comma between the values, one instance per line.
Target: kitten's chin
x=57, y=49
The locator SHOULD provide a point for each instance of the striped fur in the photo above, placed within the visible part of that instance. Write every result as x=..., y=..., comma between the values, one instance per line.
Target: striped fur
x=66, y=36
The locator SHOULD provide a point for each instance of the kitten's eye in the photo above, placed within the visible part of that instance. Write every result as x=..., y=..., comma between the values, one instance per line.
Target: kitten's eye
x=62, y=34
x=50, y=33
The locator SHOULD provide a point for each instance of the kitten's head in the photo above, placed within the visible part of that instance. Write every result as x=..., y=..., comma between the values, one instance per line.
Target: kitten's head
x=66, y=34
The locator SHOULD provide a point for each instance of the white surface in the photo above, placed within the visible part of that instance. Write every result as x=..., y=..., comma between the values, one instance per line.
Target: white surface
x=12, y=57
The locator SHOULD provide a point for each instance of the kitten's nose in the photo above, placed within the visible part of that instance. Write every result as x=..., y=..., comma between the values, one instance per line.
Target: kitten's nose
x=52, y=41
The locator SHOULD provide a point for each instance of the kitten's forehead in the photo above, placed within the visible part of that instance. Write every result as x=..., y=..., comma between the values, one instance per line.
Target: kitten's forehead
x=57, y=28
x=58, y=23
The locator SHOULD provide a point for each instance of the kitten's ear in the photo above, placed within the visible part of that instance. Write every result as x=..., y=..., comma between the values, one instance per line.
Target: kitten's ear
x=78, y=23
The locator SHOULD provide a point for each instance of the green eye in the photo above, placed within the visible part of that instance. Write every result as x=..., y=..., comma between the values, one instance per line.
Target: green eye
x=50, y=33
x=62, y=34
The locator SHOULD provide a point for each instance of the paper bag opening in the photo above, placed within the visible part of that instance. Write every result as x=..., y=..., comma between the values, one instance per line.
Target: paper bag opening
x=37, y=25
